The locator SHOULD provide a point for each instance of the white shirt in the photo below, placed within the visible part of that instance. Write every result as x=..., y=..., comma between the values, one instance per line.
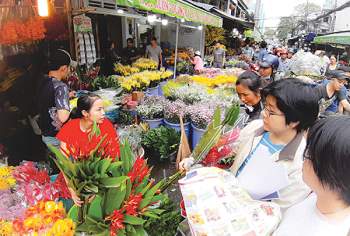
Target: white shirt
x=305, y=219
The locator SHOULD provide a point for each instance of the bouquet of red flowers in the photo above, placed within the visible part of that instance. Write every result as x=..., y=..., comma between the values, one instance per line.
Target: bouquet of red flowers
x=124, y=195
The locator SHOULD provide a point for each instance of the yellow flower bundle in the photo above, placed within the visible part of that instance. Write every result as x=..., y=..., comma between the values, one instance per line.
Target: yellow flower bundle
x=7, y=180
x=216, y=81
x=125, y=70
x=145, y=64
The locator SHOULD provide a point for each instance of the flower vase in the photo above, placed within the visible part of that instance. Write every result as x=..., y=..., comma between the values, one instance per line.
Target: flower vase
x=196, y=135
x=153, y=124
x=153, y=91
x=177, y=127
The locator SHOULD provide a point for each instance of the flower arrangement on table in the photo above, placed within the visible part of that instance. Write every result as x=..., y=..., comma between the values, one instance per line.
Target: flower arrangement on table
x=189, y=94
x=123, y=193
x=44, y=218
x=145, y=64
x=125, y=70
x=151, y=108
x=172, y=111
x=142, y=80
x=101, y=82
x=218, y=80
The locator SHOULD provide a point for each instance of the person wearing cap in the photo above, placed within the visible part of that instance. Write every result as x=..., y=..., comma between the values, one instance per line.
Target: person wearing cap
x=284, y=62
x=53, y=97
x=197, y=61
x=340, y=102
x=267, y=68
x=290, y=53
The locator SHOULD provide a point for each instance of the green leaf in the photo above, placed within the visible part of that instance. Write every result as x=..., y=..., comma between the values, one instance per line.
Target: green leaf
x=91, y=188
x=62, y=162
x=133, y=220
x=95, y=210
x=151, y=215
x=113, y=200
x=130, y=230
x=128, y=187
x=153, y=190
x=114, y=167
x=121, y=232
x=140, y=231
x=156, y=211
x=104, y=233
x=112, y=182
x=73, y=213
x=126, y=157
x=104, y=164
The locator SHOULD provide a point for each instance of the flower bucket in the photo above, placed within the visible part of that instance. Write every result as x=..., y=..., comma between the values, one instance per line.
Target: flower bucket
x=153, y=124
x=196, y=135
x=177, y=127
x=153, y=91
x=161, y=85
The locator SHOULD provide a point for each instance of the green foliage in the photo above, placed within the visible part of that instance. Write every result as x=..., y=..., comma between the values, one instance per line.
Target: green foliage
x=168, y=221
x=102, y=82
x=125, y=118
x=162, y=140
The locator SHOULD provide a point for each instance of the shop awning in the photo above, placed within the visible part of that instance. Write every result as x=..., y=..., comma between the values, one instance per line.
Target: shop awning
x=175, y=8
x=336, y=38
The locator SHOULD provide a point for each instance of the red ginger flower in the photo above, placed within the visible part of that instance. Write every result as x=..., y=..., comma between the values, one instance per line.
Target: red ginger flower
x=116, y=219
x=139, y=171
x=133, y=203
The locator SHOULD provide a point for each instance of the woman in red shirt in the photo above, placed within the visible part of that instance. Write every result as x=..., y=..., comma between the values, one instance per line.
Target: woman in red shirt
x=78, y=140
x=76, y=137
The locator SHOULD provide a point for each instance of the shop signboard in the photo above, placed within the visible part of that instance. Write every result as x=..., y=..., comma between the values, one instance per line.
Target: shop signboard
x=82, y=24
x=338, y=38
x=175, y=8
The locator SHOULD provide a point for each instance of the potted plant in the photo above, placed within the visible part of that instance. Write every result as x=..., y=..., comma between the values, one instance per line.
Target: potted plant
x=161, y=143
x=151, y=111
x=172, y=113
x=133, y=135
x=201, y=115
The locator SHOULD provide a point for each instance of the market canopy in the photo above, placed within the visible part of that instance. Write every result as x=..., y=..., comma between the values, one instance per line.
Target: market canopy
x=336, y=38
x=175, y=8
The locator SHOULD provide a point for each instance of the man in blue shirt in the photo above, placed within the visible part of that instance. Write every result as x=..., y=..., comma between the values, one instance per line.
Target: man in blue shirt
x=340, y=102
x=263, y=51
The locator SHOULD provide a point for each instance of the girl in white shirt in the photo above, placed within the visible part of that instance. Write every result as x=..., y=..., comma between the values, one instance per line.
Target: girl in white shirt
x=326, y=170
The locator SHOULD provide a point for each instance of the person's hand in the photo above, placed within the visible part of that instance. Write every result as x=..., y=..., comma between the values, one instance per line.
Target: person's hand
x=186, y=164
x=77, y=201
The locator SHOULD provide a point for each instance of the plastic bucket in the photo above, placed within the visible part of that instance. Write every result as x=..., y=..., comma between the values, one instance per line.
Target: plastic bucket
x=160, y=90
x=153, y=124
x=153, y=91
x=178, y=128
x=196, y=135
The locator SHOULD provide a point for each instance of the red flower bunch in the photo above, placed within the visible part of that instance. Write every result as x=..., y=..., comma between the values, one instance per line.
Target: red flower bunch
x=16, y=31
x=139, y=171
x=116, y=219
x=27, y=172
x=133, y=203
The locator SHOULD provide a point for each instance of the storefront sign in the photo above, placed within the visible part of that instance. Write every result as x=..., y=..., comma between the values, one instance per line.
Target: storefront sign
x=82, y=24
x=175, y=8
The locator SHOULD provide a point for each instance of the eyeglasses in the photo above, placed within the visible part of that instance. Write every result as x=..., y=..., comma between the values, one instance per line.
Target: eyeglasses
x=271, y=113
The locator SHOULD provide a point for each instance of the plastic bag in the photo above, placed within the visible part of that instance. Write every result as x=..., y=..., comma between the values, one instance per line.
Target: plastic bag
x=217, y=206
x=306, y=63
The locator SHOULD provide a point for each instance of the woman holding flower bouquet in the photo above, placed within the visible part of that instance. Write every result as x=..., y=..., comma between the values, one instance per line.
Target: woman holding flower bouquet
x=86, y=130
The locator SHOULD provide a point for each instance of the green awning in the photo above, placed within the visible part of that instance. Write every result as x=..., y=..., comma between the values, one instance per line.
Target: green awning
x=337, y=38
x=175, y=8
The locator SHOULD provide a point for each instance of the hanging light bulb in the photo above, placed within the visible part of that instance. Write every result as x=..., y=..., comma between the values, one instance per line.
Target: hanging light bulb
x=200, y=27
x=151, y=18
x=182, y=20
x=43, y=8
x=120, y=11
x=164, y=22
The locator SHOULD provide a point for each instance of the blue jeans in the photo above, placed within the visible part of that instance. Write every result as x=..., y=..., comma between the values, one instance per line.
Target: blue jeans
x=52, y=141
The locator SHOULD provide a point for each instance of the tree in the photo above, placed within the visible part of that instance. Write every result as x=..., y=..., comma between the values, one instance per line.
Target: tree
x=269, y=33
x=288, y=24
x=306, y=9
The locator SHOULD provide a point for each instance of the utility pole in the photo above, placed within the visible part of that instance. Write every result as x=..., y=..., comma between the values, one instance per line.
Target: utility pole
x=307, y=16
